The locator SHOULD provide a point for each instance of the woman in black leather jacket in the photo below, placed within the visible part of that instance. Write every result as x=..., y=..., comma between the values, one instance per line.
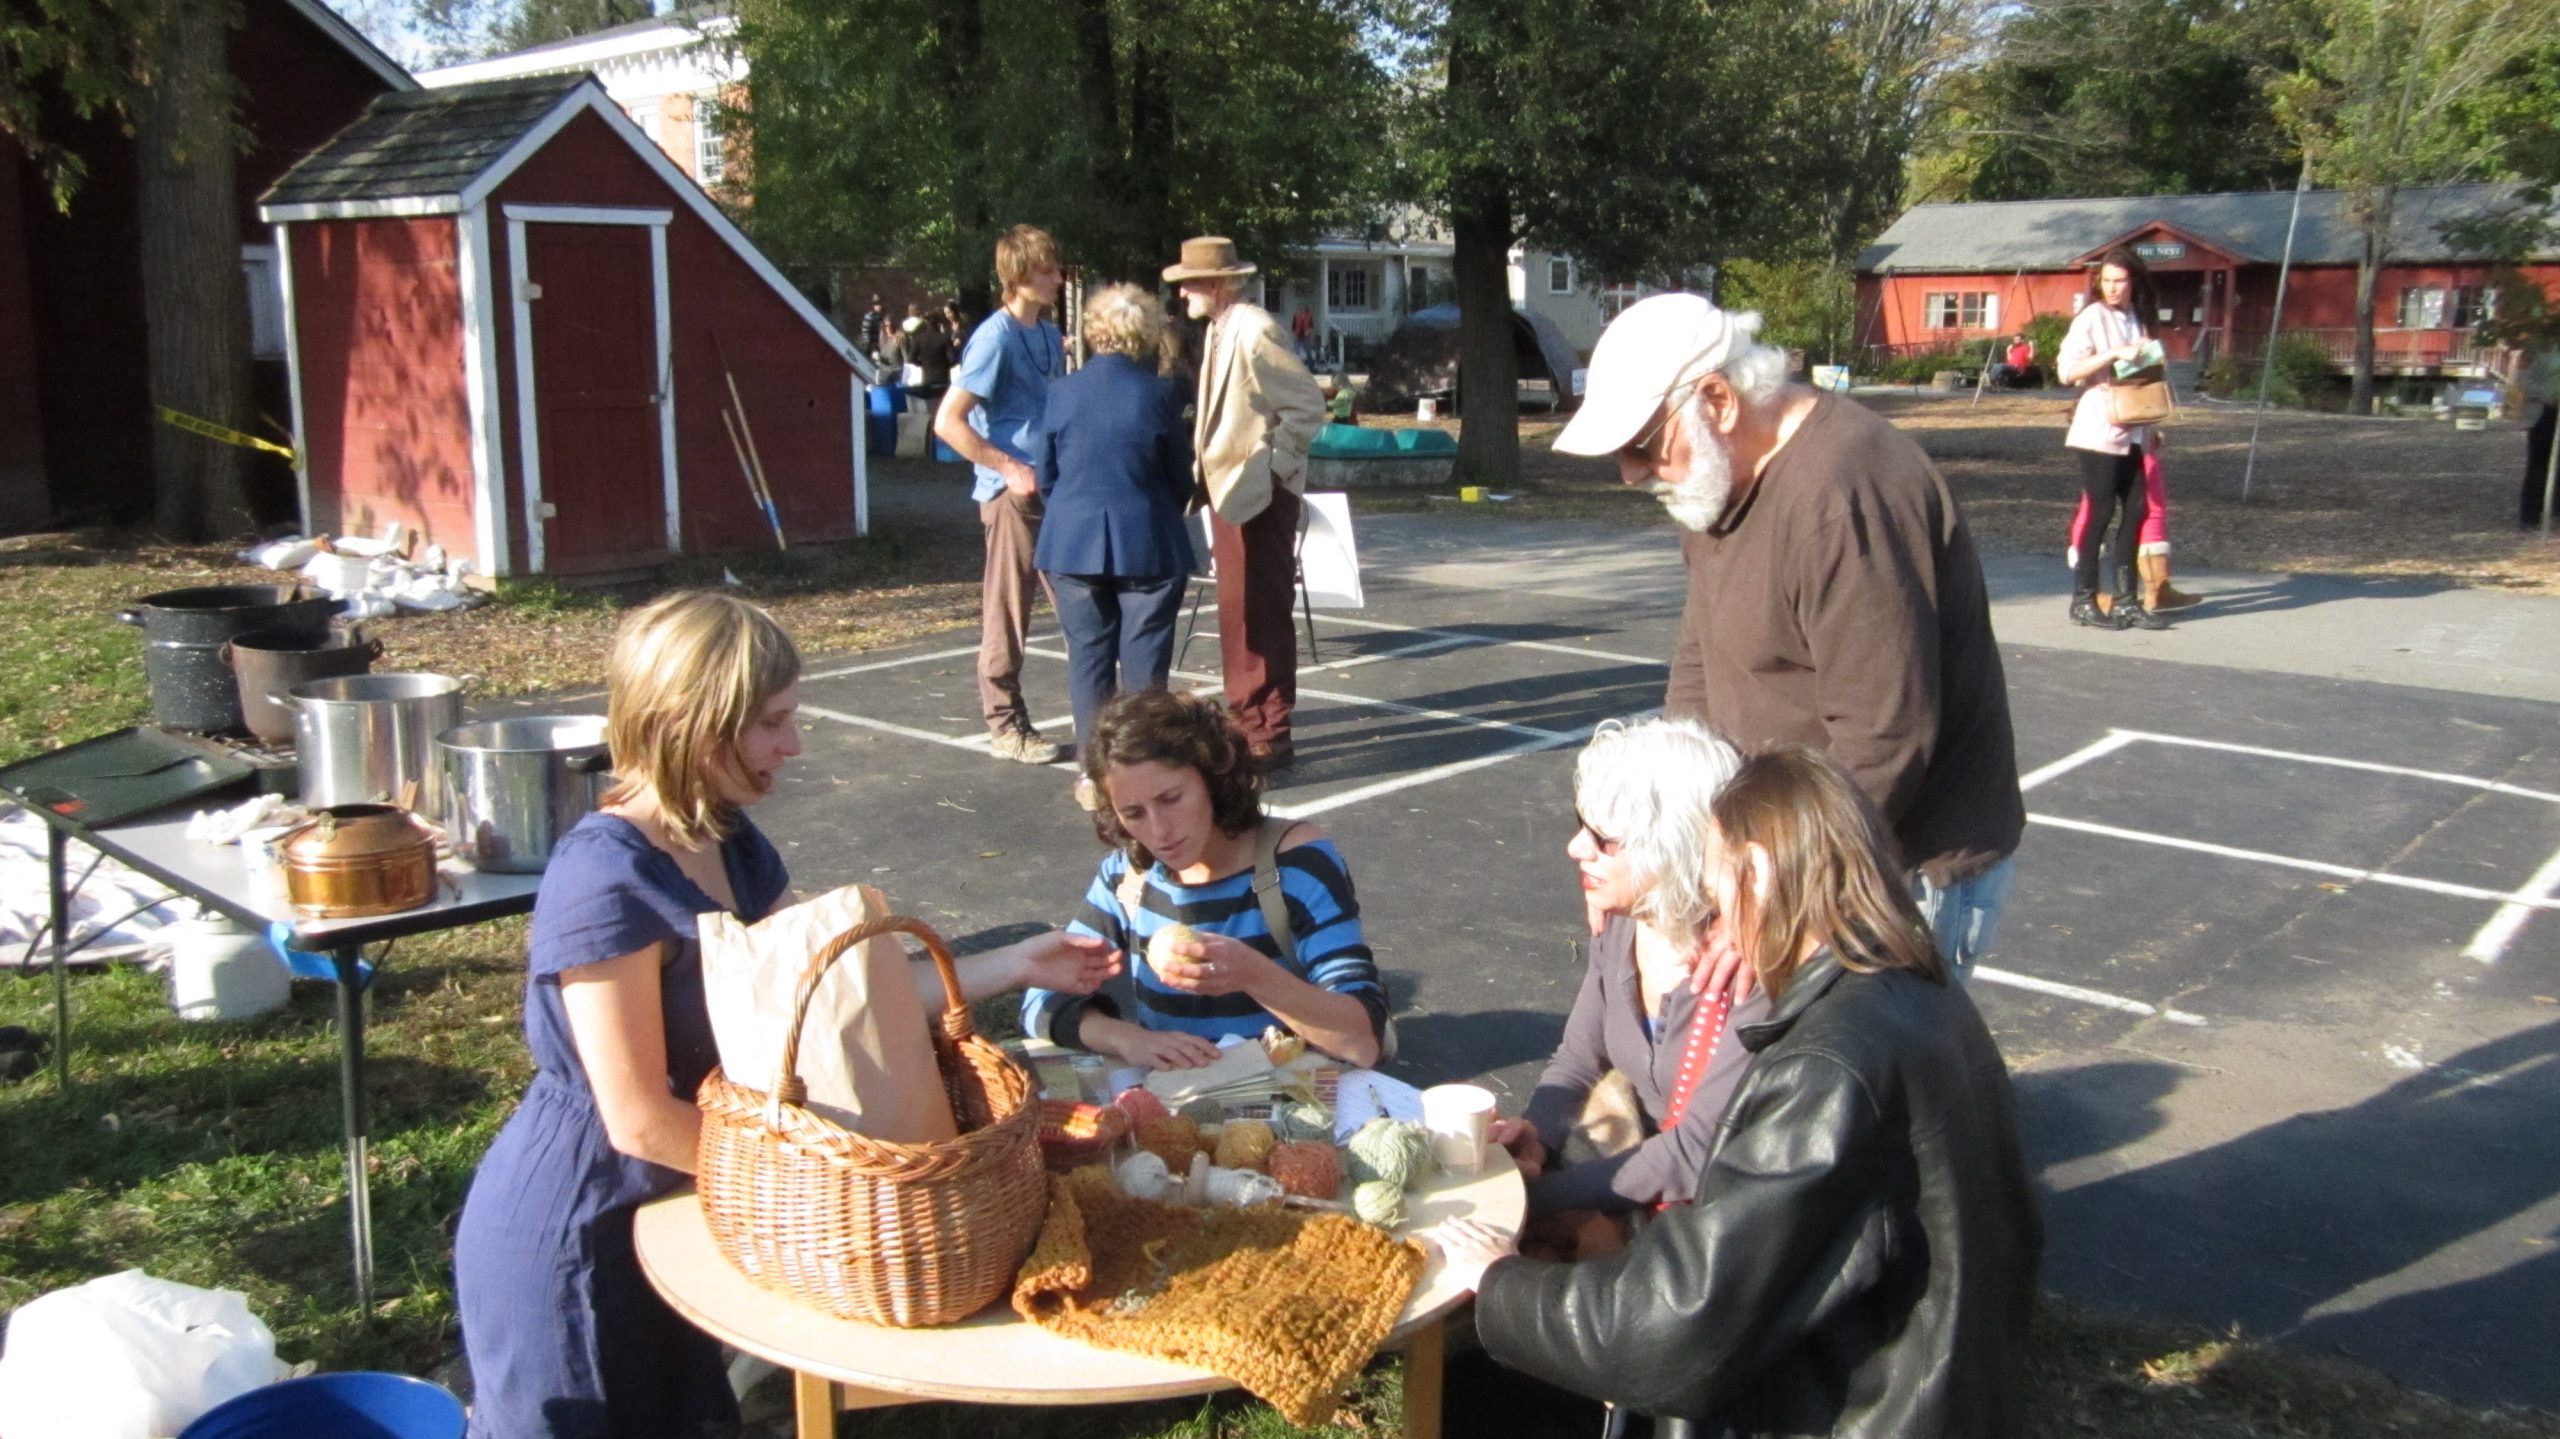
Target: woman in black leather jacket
x=1861, y=1257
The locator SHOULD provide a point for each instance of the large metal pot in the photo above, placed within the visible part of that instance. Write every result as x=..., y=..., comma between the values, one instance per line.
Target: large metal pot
x=353, y=861
x=513, y=787
x=271, y=662
x=183, y=632
x=370, y=739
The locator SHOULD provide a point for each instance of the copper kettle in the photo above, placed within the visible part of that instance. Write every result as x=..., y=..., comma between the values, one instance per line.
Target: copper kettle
x=353, y=861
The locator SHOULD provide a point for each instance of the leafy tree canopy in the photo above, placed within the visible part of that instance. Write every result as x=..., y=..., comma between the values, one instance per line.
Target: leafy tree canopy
x=915, y=131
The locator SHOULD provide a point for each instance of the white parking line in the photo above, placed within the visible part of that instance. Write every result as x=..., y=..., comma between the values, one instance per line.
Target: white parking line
x=2491, y=942
x=2368, y=766
x=1366, y=702
x=1548, y=646
x=2339, y=871
x=2098, y=997
x=836, y=674
x=2115, y=740
x=1432, y=775
x=1446, y=642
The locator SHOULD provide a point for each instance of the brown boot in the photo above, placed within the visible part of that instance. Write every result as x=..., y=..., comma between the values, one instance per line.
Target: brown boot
x=2157, y=593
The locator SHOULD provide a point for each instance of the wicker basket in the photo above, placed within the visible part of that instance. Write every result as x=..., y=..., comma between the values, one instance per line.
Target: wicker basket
x=1073, y=1134
x=897, y=1234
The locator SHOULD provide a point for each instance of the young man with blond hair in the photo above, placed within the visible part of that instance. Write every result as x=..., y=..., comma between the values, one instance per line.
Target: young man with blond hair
x=988, y=416
x=1259, y=411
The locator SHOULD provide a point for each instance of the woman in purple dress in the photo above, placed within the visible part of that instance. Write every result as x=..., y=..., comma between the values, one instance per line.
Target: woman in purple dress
x=563, y=1333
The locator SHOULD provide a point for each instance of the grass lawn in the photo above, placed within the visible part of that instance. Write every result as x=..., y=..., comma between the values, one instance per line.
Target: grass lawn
x=209, y=1153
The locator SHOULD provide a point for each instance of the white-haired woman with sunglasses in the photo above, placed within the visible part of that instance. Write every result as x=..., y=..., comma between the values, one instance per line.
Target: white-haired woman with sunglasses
x=1648, y=1057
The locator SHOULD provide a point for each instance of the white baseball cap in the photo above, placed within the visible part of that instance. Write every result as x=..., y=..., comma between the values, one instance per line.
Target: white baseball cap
x=1654, y=351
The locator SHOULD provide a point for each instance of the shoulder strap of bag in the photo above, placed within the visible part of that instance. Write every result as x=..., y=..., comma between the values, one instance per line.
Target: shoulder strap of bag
x=1266, y=886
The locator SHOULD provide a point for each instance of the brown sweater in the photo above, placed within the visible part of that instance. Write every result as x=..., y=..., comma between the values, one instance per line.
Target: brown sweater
x=1840, y=605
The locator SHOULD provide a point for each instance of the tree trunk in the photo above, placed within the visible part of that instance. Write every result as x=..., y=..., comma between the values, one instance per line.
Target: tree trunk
x=192, y=287
x=1488, y=366
x=959, y=68
x=2376, y=232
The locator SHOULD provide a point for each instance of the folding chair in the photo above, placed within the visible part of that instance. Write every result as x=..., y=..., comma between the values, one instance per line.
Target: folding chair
x=1205, y=583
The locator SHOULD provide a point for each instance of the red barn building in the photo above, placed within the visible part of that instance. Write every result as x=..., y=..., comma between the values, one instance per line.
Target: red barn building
x=518, y=328
x=1946, y=274
x=75, y=396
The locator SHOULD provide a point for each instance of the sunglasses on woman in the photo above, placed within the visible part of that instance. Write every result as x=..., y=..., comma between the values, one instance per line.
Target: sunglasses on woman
x=1605, y=843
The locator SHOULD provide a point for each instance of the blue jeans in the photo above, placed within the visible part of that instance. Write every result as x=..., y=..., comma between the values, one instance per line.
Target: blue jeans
x=1965, y=916
x=1119, y=635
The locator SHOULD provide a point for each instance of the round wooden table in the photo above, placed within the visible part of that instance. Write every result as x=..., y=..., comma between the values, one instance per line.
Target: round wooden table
x=995, y=1357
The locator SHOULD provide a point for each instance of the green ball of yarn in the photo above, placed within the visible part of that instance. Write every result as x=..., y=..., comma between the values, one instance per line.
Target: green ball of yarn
x=1379, y=1202
x=1204, y=1111
x=1389, y=1150
x=1303, y=1121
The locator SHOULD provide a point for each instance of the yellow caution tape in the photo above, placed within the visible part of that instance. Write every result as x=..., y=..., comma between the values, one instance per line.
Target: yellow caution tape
x=212, y=431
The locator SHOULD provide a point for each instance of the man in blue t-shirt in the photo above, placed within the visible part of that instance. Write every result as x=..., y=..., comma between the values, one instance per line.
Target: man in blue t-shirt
x=995, y=399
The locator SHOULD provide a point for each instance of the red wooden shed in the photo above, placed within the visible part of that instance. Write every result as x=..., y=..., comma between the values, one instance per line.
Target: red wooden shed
x=515, y=326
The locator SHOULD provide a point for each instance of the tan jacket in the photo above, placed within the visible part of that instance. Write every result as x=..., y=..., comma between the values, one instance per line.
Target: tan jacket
x=1259, y=410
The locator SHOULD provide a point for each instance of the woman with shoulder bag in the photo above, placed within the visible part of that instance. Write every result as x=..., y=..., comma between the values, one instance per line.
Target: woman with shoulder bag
x=1274, y=923
x=2112, y=428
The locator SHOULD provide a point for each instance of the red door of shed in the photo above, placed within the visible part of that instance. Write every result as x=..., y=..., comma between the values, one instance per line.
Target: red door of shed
x=595, y=395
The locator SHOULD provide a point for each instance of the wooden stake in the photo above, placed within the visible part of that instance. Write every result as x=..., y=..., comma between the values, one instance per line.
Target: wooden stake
x=752, y=462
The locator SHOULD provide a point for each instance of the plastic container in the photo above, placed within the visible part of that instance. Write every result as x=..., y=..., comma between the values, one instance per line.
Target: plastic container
x=881, y=422
x=357, y=1405
x=219, y=969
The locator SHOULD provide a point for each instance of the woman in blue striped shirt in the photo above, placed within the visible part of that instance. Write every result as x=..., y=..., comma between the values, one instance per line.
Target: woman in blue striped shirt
x=1183, y=815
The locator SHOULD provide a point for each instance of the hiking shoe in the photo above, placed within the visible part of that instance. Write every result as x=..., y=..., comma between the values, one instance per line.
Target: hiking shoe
x=1023, y=746
x=1088, y=795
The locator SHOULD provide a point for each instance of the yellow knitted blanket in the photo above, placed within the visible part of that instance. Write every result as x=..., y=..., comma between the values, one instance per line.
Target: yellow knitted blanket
x=1289, y=1305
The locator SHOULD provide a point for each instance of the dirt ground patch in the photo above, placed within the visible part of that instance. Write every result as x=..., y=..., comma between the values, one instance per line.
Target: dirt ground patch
x=2330, y=495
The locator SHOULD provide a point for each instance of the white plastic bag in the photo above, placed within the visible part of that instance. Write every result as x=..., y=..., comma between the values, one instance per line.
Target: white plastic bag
x=129, y=1357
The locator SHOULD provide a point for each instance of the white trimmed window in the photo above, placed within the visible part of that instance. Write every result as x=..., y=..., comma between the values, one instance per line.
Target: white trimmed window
x=1559, y=275
x=2474, y=304
x=2422, y=307
x=1616, y=295
x=710, y=148
x=1961, y=310
x=1351, y=287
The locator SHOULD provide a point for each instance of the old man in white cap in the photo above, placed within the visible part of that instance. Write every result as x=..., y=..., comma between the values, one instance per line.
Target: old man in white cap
x=1259, y=411
x=1835, y=597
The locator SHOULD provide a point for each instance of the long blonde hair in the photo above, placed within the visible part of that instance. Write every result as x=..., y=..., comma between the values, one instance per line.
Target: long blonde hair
x=1833, y=872
x=689, y=672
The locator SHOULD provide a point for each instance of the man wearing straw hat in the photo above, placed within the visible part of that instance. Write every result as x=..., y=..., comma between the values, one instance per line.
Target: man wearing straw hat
x=1259, y=411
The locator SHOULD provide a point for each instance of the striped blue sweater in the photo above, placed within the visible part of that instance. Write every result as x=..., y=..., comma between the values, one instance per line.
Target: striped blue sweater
x=1324, y=921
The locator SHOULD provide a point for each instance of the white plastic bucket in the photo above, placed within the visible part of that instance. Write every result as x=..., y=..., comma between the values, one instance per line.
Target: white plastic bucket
x=1426, y=409
x=222, y=970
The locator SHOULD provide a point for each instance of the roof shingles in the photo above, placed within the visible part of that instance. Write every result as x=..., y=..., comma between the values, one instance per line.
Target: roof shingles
x=422, y=143
x=2043, y=235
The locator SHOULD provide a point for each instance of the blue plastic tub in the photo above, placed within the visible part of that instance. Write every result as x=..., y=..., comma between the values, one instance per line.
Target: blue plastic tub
x=880, y=426
x=354, y=1405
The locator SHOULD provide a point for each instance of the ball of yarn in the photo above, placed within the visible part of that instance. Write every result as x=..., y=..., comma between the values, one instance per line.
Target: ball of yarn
x=1378, y=1202
x=1310, y=1171
x=1304, y=1121
x=1172, y=1139
x=1245, y=1144
x=1389, y=1149
x=1204, y=1111
x=1160, y=944
x=1144, y=1176
x=1141, y=1105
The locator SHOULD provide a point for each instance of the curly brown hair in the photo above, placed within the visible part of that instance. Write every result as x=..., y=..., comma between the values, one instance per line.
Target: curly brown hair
x=1163, y=727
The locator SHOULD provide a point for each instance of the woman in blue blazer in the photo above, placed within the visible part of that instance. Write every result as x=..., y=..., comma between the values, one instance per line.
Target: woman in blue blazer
x=1113, y=453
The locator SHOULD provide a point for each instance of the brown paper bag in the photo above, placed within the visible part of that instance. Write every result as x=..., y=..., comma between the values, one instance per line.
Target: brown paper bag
x=865, y=1052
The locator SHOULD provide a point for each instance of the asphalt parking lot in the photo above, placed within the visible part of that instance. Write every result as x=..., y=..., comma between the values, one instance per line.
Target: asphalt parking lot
x=2280, y=979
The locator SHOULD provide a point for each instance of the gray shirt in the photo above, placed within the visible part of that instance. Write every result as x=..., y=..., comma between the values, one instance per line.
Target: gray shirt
x=1606, y=1031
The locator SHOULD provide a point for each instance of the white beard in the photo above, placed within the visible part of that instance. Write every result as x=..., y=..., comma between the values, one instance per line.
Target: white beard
x=1698, y=499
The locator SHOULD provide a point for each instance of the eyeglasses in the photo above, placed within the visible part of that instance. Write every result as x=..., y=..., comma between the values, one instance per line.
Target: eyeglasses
x=1602, y=841
x=1641, y=447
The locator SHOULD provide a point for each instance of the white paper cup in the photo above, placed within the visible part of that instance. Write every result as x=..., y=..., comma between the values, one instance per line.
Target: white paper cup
x=1459, y=1118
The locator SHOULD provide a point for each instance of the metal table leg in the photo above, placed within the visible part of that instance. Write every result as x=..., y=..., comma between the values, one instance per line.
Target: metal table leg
x=56, y=851
x=352, y=1110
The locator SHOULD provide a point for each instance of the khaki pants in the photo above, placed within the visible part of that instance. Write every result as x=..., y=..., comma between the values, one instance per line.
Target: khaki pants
x=1013, y=529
